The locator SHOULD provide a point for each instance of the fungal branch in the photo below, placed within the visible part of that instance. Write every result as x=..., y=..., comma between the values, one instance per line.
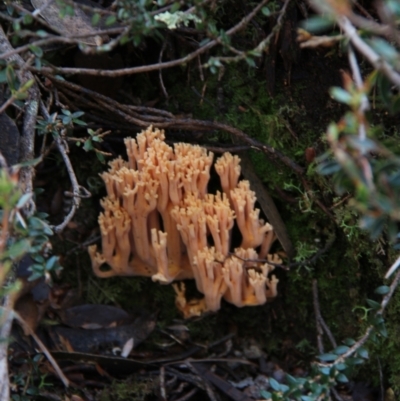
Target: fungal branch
x=160, y=221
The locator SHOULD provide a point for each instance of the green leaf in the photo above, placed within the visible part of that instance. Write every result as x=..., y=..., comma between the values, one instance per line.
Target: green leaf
x=88, y=145
x=373, y=304
x=11, y=77
x=292, y=381
x=382, y=290
x=175, y=7
x=24, y=199
x=317, y=24
x=250, y=62
x=342, y=378
x=328, y=167
x=52, y=263
x=18, y=249
x=274, y=384
x=78, y=114
x=349, y=341
x=265, y=394
x=26, y=86
x=27, y=19
x=341, y=349
x=363, y=353
x=341, y=95
x=327, y=357
x=96, y=19
x=100, y=156
x=266, y=11
x=36, y=50
x=41, y=33
x=112, y=19
x=325, y=370
x=3, y=76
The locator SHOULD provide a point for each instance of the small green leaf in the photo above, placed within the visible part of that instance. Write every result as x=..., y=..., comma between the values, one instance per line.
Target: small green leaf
x=325, y=371
x=24, y=199
x=250, y=62
x=95, y=19
x=327, y=357
x=265, y=394
x=88, y=145
x=79, y=122
x=382, y=290
x=307, y=398
x=112, y=19
x=41, y=33
x=274, y=384
x=373, y=304
x=342, y=378
x=3, y=76
x=175, y=7
x=51, y=263
x=27, y=85
x=266, y=11
x=18, y=249
x=36, y=50
x=341, y=366
x=341, y=95
x=317, y=24
x=341, y=349
x=78, y=114
x=363, y=352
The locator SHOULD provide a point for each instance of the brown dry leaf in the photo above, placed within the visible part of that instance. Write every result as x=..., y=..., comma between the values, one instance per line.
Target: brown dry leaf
x=78, y=24
x=65, y=344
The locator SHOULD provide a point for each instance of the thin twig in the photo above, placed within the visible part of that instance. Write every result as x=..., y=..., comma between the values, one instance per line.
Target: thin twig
x=163, y=392
x=370, y=54
x=364, y=104
x=77, y=190
x=321, y=325
x=43, y=348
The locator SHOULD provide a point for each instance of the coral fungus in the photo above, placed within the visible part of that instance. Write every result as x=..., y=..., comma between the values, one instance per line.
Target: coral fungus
x=159, y=221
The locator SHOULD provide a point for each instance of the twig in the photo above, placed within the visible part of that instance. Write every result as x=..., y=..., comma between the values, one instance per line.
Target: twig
x=188, y=395
x=382, y=389
x=364, y=105
x=321, y=325
x=377, y=61
x=43, y=348
x=207, y=386
x=78, y=191
x=160, y=77
x=5, y=329
x=163, y=392
x=393, y=268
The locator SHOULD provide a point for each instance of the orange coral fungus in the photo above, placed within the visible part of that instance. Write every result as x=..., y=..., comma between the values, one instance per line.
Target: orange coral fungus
x=159, y=221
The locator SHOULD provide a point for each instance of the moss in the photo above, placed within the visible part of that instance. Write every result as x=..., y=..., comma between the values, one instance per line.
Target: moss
x=132, y=389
